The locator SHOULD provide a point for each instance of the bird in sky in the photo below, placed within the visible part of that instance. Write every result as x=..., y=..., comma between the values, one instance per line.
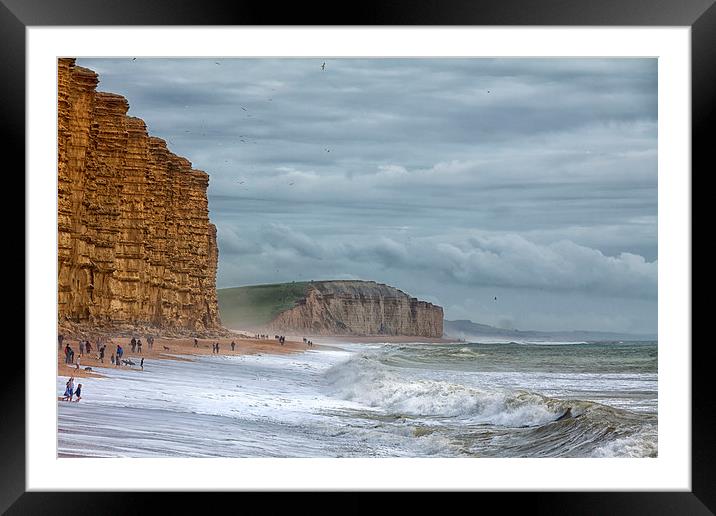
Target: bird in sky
x=242, y=107
x=495, y=298
x=217, y=62
x=323, y=66
x=134, y=59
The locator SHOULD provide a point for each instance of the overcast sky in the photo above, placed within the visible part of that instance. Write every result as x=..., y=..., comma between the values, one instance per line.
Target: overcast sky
x=455, y=180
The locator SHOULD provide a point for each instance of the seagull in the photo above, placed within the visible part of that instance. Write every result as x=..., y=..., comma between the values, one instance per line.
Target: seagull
x=323, y=66
x=290, y=184
x=242, y=107
x=495, y=298
x=216, y=62
x=134, y=59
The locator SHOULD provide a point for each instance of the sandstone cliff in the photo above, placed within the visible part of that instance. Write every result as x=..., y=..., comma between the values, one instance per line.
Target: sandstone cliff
x=135, y=244
x=359, y=308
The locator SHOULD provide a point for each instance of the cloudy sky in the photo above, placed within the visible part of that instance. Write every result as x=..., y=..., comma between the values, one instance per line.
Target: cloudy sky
x=455, y=180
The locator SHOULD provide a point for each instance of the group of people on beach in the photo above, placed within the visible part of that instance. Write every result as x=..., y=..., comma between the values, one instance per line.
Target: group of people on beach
x=137, y=344
x=260, y=336
x=280, y=338
x=85, y=347
x=70, y=391
x=309, y=343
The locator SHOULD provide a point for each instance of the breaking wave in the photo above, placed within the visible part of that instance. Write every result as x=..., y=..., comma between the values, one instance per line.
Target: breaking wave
x=520, y=423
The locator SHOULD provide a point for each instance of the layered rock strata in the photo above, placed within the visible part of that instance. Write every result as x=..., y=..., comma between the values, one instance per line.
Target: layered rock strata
x=360, y=308
x=135, y=244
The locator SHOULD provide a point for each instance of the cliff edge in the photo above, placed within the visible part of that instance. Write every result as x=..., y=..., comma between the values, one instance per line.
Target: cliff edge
x=356, y=308
x=135, y=244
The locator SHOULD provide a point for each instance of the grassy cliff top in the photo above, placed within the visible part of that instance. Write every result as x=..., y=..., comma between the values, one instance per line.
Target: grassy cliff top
x=256, y=305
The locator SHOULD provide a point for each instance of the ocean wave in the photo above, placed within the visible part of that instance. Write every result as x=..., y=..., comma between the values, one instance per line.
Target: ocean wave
x=640, y=444
x=363, y=379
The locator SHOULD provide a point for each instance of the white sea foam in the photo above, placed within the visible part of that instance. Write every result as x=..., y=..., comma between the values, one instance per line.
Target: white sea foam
x=367, y=382
x=641, y=444
x=342, y=403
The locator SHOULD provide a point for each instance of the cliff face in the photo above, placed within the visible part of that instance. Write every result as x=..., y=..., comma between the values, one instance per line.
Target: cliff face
x=135, y=244
x=360, y=308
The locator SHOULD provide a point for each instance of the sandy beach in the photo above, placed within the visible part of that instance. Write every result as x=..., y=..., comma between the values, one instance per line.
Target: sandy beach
x=166, y=349
x=379, y=339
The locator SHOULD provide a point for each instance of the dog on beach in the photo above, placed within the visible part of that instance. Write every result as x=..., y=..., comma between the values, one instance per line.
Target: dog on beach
x=88, y=368
x=166, y=347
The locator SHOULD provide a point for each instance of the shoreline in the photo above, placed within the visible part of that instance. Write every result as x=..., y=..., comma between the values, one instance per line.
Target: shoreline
x=166, y=348
x=181, y=348
x=389, y=339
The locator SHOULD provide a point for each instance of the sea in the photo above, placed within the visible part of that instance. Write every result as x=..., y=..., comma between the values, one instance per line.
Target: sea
x=496, y=399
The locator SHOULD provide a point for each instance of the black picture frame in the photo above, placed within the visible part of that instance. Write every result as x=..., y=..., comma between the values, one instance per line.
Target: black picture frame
x=700, y=15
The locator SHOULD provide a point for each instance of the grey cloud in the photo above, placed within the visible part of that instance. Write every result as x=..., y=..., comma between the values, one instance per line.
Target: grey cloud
x=390, y=168
x=507, y=260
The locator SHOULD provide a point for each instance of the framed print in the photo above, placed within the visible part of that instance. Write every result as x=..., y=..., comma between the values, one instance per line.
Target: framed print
x=418, y=250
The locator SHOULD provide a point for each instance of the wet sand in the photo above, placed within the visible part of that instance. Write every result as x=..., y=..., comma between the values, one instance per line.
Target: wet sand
x=166, y=349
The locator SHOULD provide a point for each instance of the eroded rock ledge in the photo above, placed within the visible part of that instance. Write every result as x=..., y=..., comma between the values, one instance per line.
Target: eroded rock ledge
x=360, y=308
x=135, y=244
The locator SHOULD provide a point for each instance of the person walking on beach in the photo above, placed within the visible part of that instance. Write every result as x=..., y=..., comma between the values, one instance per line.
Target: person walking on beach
x=78, y=393
x=232, y=345
x=141, y=363
x=133, y=342
x=217, y=347
x=139, y=346
x=82, y=347
x=60, y=338
x=150, y=342
x=112, y=359
x=78, y=361
x=101, y=354
x=69, y=386
x=88, y=347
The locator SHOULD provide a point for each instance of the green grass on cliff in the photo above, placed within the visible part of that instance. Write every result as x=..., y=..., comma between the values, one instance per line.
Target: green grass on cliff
x=256, y=305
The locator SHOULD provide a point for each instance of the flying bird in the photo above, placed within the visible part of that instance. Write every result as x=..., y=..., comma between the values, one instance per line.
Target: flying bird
x=134, y=59
x=323, y=66
x=216, y=62
x=495, y=298
x=242, y=107
x=290, y=184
